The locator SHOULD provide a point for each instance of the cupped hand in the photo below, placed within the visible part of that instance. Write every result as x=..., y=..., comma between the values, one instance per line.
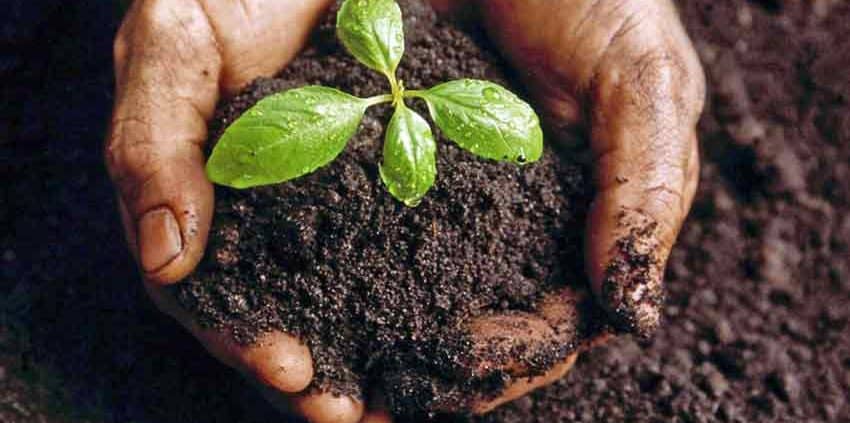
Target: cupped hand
x=624, y=68
x=173, y=60
x=626, y=72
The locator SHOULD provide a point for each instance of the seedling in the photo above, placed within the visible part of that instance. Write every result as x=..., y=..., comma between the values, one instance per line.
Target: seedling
x=293, y=133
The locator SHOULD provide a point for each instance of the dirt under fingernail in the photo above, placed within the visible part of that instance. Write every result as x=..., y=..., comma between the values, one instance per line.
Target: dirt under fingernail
x=632, y=287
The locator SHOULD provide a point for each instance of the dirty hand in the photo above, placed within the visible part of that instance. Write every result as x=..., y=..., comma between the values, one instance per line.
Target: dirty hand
x=626, y=71
x=173, y=60
x=630, y=61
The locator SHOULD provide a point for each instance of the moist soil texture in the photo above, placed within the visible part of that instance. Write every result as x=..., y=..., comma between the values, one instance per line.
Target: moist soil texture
x=377, y=290
x=758, y=286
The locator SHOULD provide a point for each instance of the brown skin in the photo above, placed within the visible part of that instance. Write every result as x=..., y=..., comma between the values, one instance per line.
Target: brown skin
x=623, y=68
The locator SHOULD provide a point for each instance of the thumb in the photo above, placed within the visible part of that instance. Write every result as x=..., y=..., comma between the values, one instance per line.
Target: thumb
x=167, y=73
x=634, y=66
x=643, y=119
x=171, y=61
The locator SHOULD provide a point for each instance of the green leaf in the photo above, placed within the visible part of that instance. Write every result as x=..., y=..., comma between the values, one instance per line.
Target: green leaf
x=285, y=136
x=409, y=166
x=486, y=119
x=372, y=31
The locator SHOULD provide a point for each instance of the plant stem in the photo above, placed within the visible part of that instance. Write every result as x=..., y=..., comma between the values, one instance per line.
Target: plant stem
x=378, y=99
x=393, y=85
x=399, y=93
x=413, y=93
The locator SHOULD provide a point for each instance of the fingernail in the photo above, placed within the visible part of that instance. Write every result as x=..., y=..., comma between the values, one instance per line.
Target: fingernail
x=159, y=239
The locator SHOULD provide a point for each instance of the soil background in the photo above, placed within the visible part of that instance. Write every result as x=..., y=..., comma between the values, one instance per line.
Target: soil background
x=758, y=286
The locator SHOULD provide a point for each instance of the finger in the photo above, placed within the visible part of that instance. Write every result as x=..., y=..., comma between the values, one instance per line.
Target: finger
x=526, y=349
x=560, y=311
x=314, y=407
x=523, y=343
x=511, y=343
x=171, y=60
x=643, y=129
x=327, y=408
x=279, y=364
x=523, y=386
x=634, y=65
x=692, y=172
x=277, y=360
x=377, y=416
x=377, y=411
x=258, y=37
x=166, y=88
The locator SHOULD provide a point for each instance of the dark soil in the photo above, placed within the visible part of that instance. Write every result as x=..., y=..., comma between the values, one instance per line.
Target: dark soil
x=376, y=289
x=758, y=286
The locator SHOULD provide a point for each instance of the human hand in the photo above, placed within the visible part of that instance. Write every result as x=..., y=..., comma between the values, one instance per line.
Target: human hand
x=626, y=71
x=173, y=59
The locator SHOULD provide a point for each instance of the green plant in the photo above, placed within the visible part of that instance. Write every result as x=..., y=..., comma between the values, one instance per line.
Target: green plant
x=293, y=133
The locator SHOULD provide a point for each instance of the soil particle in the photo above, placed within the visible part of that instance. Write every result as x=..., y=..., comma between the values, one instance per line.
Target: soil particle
x=785, y=386
x=712, y=380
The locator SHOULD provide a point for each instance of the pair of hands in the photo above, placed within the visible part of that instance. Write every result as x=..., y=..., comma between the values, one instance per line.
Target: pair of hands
x=624, y=68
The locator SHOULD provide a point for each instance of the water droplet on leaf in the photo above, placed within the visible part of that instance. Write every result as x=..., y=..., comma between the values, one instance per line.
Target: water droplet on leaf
x=247, y=158
x=492, y=94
